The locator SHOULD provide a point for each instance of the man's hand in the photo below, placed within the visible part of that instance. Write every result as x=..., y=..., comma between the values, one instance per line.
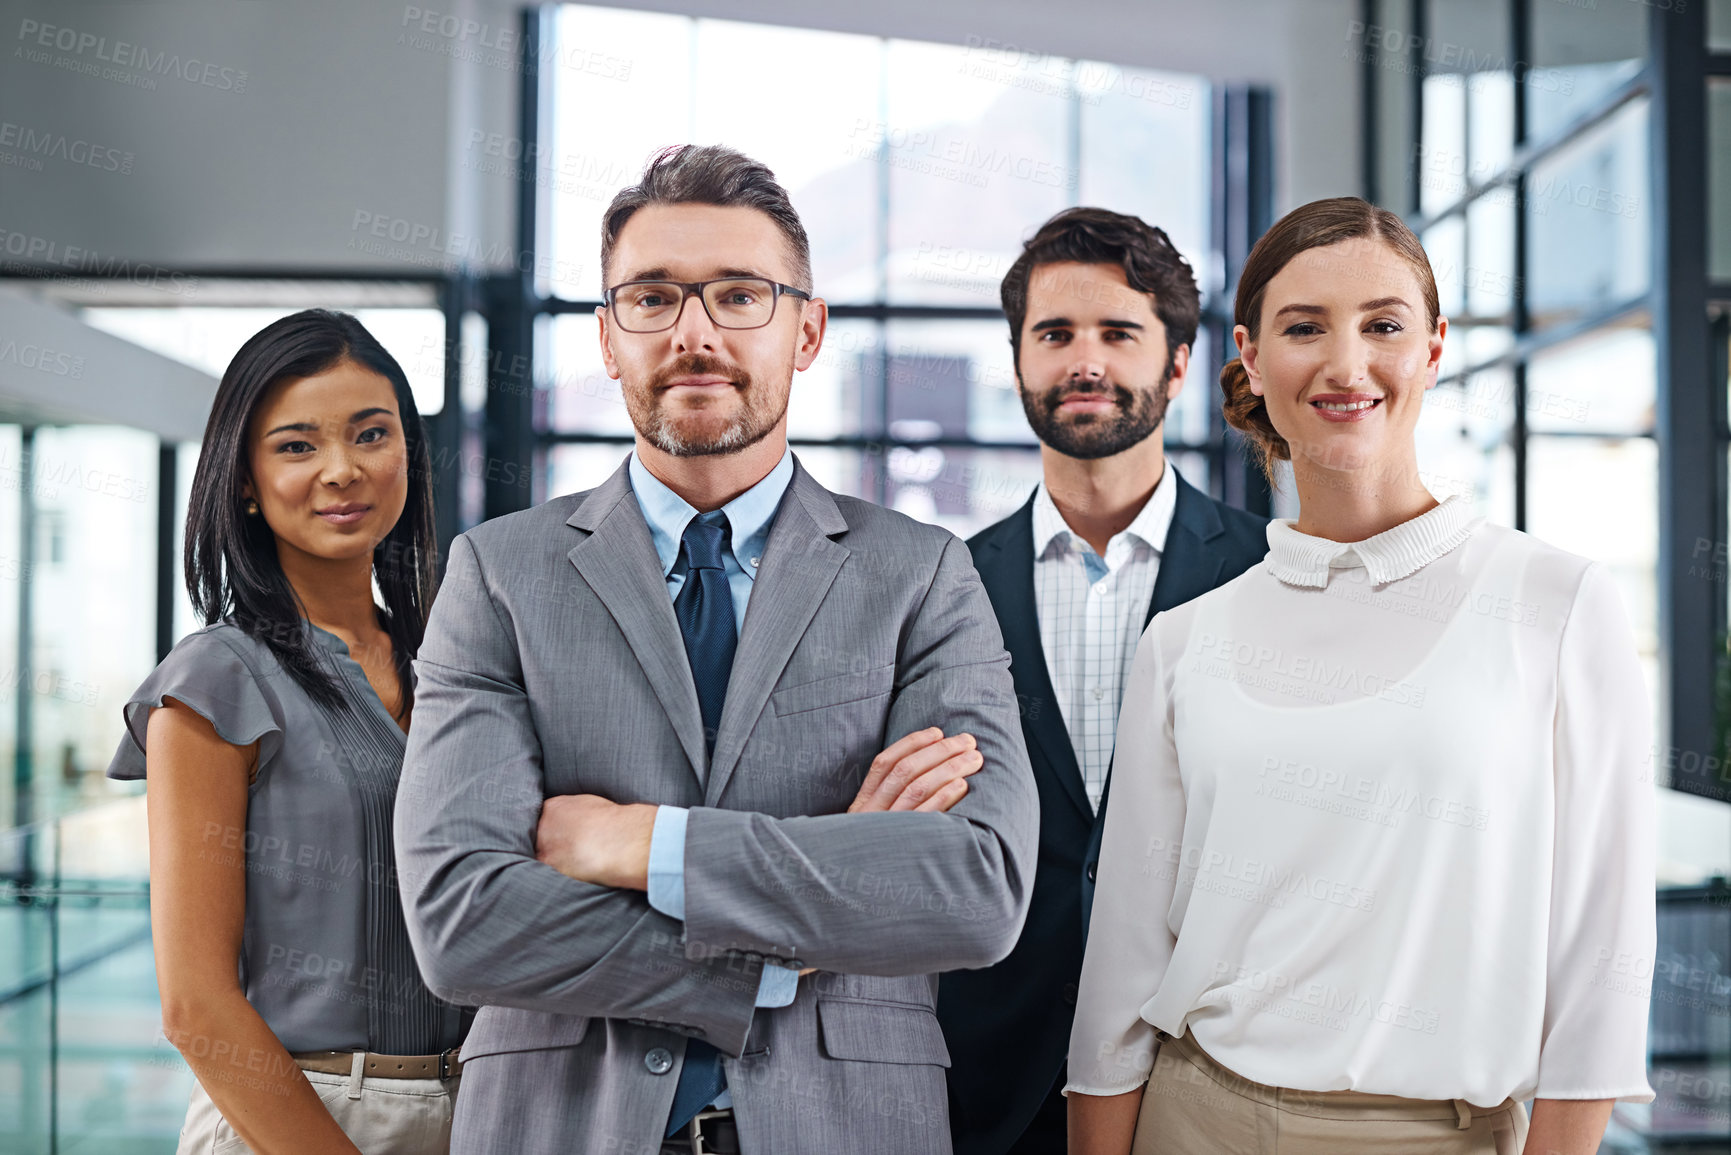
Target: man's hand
x=593, y=840
x=923, y=771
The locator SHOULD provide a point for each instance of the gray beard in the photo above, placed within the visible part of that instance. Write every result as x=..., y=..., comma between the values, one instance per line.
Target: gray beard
x=742, y=433
x=745, y=431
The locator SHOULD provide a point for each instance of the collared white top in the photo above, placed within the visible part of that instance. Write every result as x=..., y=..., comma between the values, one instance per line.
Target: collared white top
x=1091, y=612
x=1382, y=821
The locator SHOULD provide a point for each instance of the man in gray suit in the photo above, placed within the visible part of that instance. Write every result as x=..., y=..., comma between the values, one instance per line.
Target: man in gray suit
x=654, y=832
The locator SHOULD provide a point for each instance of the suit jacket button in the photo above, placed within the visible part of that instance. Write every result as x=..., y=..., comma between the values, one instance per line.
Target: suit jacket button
x=659, y=1060
x=1070, y=993
x=1093, y=869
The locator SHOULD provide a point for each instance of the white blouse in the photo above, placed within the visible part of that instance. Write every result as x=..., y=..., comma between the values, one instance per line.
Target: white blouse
x=1382, y=821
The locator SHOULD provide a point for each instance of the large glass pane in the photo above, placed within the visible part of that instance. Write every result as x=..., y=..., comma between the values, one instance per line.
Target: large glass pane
x=574, y=468
x=208, y=337
x=1690, y=1032
x=1442, y=168
x=1490, y=270
x=953, y=379
x=78, y=985
x=1468, y=95
x=1719, y=179
x=963, y=490
x=1472, y=344
x=26, y=1034
x=805, y=103
x=838, y=395
x=94, y=621
x=976, y=146
x=1719, y=25
x=1445, y=245
x=1490, y=120
x=1133, y=122
x=574, y=394
x=1589, y=220
x=846, y=471
x=1581, y=52
x=1602, y=383
x=635, y=97
x=1188, y=416
x=1463, y=442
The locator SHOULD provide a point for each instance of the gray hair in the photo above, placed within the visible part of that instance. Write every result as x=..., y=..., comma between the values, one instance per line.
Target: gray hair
x=709, y=174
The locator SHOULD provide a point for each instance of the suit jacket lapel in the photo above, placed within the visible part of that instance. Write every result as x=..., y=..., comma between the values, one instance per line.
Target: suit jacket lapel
x=1010, y=585
x=799, y=564
x=1189, y=565
x=619, y=562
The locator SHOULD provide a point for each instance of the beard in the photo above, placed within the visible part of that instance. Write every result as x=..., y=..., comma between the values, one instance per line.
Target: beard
x=1090, y=436
x=702, y=432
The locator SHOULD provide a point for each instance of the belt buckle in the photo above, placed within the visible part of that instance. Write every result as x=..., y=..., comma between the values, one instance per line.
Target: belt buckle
x=695, y=1128
x=446, y=1058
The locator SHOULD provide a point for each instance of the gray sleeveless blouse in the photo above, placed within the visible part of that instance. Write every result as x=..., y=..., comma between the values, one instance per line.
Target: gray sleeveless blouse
x=325, y=958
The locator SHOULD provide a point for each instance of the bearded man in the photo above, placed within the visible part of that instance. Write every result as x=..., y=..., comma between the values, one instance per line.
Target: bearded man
x=1103, y=312
x=712, y=770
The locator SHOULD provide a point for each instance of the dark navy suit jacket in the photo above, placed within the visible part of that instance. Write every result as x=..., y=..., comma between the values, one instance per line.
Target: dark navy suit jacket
x=1008, y=1026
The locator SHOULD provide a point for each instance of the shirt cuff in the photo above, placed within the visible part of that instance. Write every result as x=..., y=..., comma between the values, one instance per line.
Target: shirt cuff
x=777, y=986
x=667, y=861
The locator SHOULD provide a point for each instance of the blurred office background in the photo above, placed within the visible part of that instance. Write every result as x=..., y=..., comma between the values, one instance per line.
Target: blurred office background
x=174, y=175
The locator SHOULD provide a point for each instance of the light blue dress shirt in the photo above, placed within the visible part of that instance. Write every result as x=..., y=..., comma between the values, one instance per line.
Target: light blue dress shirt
x=748, y=519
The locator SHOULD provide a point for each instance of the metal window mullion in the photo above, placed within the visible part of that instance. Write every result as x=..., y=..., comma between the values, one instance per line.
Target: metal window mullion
x=1686, y=411
x=1520, y=40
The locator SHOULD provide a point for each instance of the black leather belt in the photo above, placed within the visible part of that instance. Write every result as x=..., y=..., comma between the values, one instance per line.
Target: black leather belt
x=710, y=1133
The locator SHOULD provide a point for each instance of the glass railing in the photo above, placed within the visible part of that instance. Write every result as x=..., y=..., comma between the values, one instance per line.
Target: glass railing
x=83, y=1064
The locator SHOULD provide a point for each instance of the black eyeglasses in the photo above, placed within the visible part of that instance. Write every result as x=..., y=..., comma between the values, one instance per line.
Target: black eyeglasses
x=731, y=302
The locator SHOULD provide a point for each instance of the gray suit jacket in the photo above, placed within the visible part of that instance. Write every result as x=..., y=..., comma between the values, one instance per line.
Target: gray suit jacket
x=553, y=665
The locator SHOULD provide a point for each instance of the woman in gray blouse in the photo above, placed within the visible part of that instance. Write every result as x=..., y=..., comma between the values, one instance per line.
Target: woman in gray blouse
x=273, y=739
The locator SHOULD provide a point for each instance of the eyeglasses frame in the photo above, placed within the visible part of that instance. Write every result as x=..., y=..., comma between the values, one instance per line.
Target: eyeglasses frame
x=692, y=289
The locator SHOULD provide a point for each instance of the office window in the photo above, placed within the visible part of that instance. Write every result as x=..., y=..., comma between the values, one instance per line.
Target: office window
x=1589, y=220
x=918, y=170
x=1719, y=180
x=1536, y=204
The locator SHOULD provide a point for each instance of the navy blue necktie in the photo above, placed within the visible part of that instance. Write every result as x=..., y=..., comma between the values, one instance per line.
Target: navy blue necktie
x=704, y=608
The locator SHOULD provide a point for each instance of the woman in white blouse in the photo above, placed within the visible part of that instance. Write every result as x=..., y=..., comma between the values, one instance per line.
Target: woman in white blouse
x=1379, y=857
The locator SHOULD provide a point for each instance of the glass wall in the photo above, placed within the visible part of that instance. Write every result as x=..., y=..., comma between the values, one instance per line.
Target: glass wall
x=83, y=1064
x=1531, y=195
x=918, y=169
x=1519, y=138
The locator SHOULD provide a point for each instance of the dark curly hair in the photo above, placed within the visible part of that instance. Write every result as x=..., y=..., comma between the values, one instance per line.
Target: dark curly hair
x=1151, y=264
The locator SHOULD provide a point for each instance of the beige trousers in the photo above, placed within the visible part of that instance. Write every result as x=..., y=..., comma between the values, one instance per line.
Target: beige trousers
x=381, y=1116
x=1194, y=1106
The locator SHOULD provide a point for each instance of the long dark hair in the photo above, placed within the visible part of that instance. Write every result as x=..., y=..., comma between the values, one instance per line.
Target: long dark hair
x=232, y=571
